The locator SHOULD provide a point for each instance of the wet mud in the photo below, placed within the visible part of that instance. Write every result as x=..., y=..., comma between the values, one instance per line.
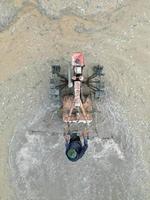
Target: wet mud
x=36, y=34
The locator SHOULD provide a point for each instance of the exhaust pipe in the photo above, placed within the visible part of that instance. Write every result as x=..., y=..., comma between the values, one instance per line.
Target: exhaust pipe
x=70, y=84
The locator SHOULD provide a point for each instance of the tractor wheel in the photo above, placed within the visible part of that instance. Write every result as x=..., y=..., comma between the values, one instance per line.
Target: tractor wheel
x=55, y=69
x=98, y=70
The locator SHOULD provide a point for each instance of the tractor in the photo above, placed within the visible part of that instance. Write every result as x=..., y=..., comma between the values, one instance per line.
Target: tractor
x=75, y=91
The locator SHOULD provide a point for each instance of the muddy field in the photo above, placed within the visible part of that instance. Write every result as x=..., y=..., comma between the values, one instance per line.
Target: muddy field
x=34, y=35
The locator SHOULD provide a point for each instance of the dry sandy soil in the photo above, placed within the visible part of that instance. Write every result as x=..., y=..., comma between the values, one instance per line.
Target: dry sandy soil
x=35, y=34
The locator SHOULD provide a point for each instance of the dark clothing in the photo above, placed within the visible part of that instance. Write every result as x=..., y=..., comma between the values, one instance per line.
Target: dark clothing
x=75, y=143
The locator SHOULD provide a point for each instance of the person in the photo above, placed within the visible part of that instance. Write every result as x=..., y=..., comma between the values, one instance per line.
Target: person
x=74, y=148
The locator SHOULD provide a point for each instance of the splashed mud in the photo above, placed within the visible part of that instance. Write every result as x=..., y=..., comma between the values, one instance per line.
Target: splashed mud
x=37, y=161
